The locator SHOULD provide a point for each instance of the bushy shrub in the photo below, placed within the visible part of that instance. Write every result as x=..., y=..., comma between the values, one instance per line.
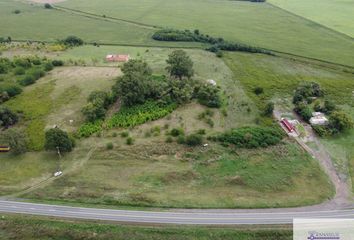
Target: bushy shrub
x=209, y=95
x=87, y=129
x=19, y=71
x=258, y=90
x=57, y=63
x=169, y=139
x=130, y=141
x=109, y=146
x=124, y=134
x=304, y=111
x=194, y=139
x=268, y=109
x=48, y=66
x=252, y=137
x=47, y=6
x=181, y=139
x=7, y=117
x=11, y=90
x=27, y=80
x=175, y=132
x=22, y=62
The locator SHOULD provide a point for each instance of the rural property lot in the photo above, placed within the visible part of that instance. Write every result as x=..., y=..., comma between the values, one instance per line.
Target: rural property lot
x=335, y=14
x=190, y=122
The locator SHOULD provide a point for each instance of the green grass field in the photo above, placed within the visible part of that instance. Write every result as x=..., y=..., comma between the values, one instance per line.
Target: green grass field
x=233, y=20
x=335, y=14
x=155, y=174
x=52, y=25
x=42, y=228
x=279, y=77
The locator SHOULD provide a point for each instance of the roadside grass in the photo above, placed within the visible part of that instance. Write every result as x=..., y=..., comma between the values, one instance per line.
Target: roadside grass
x=279, y=77
x=41, y=228
x=258, y=24
x=337, y=14
x=20, y=172
x=155, y=174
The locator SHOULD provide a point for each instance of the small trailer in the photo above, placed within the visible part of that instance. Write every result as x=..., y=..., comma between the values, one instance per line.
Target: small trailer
x=5, y=149
x=287, y=125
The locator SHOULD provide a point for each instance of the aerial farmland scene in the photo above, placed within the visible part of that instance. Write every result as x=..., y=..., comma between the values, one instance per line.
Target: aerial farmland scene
x=176, y=119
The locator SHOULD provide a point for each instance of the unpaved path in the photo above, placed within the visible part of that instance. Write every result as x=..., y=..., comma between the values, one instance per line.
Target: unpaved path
x=343, y=197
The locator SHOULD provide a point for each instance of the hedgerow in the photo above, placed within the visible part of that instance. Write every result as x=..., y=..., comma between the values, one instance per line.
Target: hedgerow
x=251, y=137
x=195, y=36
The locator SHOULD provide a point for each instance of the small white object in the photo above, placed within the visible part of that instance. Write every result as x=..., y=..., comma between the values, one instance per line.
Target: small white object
x=71, y=121
x=205, y=145
x=211, y=81
x=57, y=174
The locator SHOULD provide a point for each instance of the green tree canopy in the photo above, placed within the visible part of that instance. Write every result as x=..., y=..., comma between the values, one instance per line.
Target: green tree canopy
x=7, y=117
x=340, y=121
x=180, y=65
x=16, y=139
x=56, y=137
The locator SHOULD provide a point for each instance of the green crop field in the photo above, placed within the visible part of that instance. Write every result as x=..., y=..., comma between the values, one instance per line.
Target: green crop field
x=335, y=14
x=252, y=23
x=51, y=25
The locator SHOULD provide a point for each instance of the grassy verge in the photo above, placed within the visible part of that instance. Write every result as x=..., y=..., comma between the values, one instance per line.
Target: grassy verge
x=41, y=228
x=171, y=175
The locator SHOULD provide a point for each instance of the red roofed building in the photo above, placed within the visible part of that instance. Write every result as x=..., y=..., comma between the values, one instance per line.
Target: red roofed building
x=117, y=58
x=287, y=125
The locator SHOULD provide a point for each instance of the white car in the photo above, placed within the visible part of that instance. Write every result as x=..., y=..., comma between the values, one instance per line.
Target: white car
x=57, y=174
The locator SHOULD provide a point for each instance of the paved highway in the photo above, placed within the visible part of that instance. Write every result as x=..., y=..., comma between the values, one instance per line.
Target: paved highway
x=192, y=217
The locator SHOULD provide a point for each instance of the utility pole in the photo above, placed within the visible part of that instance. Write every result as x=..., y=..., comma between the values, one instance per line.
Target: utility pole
x=59, y=161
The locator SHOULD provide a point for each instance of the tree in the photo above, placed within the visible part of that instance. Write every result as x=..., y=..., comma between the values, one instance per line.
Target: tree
x=16, y=139
x=180, y=65
x=136, y=85
x=269, y=108
x=57, y=138
x=208, y=95
x=73, y=41
x=180, y=91
x=48, y=6
x=94, y=111
x=7, y=117
x=329, y=106
x=340, y=121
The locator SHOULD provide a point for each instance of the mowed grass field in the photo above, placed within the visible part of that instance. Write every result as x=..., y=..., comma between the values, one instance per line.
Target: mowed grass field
x=335, y=14
x=279, y=77
x=258, y=24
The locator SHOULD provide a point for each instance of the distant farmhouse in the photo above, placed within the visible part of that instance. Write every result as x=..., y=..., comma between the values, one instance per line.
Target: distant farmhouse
x=117, y=58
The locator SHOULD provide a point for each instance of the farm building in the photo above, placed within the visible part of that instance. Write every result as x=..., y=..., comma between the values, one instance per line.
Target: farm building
x=287, y=125
x=117, y=58
x=318, y=118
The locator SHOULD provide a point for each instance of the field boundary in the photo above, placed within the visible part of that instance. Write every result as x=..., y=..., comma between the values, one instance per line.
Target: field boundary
x=104, y=17
x=312, y=21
